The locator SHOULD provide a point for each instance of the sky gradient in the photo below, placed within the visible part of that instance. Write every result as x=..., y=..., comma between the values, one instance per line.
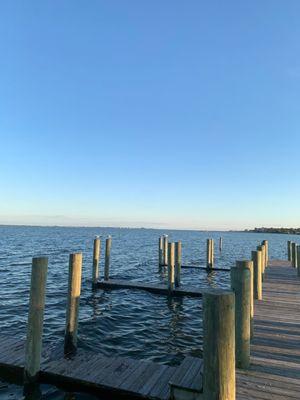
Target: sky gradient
x=168, y=114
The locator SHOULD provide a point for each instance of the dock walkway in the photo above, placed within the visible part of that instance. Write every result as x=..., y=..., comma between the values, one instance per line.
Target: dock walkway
x=275, y=356
x=275, y=350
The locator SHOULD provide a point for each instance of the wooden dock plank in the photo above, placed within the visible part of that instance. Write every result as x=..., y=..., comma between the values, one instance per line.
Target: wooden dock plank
x=157, y=375
x=189, y=374
x=161, y=389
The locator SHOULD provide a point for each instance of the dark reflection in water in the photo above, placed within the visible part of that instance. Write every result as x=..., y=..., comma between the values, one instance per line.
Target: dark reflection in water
x=125, y=322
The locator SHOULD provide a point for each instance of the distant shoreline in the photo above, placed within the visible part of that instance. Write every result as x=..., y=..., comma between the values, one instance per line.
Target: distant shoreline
x=287, y=231
x=120, y=227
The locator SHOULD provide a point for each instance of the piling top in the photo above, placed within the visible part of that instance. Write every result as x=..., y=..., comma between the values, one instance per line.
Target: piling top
x=40, y=258
x=256, y=252
x=244, y=264
x=217, y=292
x=39, y=261
x=77, y=254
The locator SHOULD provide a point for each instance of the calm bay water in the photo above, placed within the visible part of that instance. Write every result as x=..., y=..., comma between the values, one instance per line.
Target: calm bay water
x=127, y=323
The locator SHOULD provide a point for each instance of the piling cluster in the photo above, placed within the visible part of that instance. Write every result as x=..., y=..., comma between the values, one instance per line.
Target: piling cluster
x=169, y=256
x=96, y=259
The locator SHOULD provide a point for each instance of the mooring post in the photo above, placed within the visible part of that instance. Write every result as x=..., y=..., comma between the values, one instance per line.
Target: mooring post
x=257, y=260
x=261, y=249
x=266, y=244
x=177, y=263
x=250, y=266
x=33, y=346
x=171, y=266
x=294, y=255
x=220, y=244
x=264, y=258
x=209, y=253
x=240, y=284
x=292, y=261
x=160, y=252
x=218, y=345
x=96, y=258
x=298, y=260
x=107, y=258
x=289, y=250
x=165, y=248
x=74, y=288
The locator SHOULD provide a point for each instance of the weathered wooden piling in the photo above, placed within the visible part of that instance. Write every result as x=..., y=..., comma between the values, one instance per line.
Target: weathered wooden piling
x=261, y=249
x=160, y=252
x=219, y=345
x=208, y=261
x=266, y=244
x=220, y=244
x=298, y=260
x=289, y=250
x=294, y=255
x=33, y=346
x=250, y=266
x=165, y=248
x=96, y=259
x=209, y=253
x=171, y=266
x=257, y=281
x=264, y=257
x=107, y=258
x=74, y=288
x=177, y=263
x=241, y=285
x=291, y=253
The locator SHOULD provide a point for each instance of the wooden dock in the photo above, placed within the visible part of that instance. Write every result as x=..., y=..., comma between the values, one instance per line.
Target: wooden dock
x=112, y=377
x=275, y=356
x=275, y=350
x=113, y=284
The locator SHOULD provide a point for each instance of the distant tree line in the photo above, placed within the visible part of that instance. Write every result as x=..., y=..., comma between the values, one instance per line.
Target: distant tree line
x=289, y=231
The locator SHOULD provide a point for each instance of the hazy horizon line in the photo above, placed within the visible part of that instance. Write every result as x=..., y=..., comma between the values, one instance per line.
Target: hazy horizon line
x=120, y=227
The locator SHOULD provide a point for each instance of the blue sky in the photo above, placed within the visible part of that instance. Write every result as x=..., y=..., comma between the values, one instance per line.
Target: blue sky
x=181, y=114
